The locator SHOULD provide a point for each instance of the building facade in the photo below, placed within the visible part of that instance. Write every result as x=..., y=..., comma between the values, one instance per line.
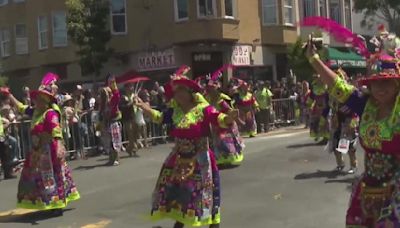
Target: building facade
x=153, y=38
x=339, y=10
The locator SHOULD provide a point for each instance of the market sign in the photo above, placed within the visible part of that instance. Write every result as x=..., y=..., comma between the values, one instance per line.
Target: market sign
x=347, y=59
x=241, y=55
x=156, y=60
x=349, y=63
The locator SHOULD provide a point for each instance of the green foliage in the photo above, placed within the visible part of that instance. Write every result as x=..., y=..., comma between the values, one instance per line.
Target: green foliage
x=87, y=27
x=298, y=62
x=3, y=80
x=387, y=10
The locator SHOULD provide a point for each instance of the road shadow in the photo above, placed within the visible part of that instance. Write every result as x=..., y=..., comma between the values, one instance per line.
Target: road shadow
x=227, y=167
x=330, y=174
x=32, y=218
x=121, y=157
x=295, y=146
x=351, y=181
x=89, y=167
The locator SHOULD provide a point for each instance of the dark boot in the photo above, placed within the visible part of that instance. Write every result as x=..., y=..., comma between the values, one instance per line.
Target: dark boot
x=179, y=225
x=57, y=212
x=9, y=175
x=214, y=226
x=8, y=172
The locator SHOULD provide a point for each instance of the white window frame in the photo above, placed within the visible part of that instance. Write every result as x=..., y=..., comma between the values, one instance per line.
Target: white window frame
x=4, y=42
x=309, y=5
x=176, y=10
x=44, y=32
x=270, y=6
x=348, y=17
x=54, y=30
x=234, y=10
x=322, y=5
x=292, y=8
x=339, y=12
x=118, y=14
x=19, y=40
x=214, y=8
x=5, y=2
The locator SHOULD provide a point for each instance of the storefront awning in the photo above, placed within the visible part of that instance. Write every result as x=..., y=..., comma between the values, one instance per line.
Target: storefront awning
x=348, y=59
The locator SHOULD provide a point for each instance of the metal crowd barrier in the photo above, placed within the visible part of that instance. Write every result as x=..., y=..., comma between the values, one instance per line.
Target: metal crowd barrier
x=283, y=111
x=83, y=137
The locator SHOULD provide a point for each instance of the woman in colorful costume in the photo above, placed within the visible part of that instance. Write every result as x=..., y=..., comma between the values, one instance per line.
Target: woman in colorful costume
x=46, y=182
x=110, y=117
x=227, y=144
x=188, y=188
x=319, y=101
x=375, y=198
x=344, y=125
x=248, y=106
x=304, y=109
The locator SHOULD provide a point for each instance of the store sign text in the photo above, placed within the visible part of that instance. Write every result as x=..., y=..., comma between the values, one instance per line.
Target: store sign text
x=241, y=55
x=157, y=61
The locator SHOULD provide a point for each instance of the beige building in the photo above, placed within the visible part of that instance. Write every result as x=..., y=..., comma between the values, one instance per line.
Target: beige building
x=154, y=37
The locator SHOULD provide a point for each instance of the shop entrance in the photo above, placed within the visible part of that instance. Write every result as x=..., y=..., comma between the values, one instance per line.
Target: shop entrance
x=204, y=63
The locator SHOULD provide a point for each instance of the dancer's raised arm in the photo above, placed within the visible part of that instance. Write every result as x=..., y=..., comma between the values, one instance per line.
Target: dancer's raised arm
x=328, y=76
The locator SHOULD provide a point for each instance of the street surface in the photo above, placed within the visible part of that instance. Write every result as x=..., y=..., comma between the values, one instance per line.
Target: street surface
x=284, y=182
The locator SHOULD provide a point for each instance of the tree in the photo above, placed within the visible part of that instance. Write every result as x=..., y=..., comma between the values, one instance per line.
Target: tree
x=87, y=22
x=386, y=10
x=298, y=62
x=3, y=80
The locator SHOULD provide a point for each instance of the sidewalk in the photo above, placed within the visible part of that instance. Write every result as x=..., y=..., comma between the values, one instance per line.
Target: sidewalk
x=285, y=130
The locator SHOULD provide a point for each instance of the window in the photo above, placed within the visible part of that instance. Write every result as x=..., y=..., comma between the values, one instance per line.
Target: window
x=3, y=2
x=42, y=32
x=309, y=9
x=334, y=10
x=181, y=10
x=289, y=12
x=347, y=14
x=322, y=8
x=5, y=45
x=269, y=12
x=18, y=1
x=21, y=39
x=118, y=16
x=59, y=29
x=230, y=8
x=206, y=8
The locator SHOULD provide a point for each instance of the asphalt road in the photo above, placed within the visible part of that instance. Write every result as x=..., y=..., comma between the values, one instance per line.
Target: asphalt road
x=285, y=182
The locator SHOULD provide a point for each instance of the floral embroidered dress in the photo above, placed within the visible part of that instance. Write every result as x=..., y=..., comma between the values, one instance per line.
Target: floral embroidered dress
x=247, y=104
x=376, y=196
x=46, y=181
x=188, y=188
x=319, y=100
x=227, y=144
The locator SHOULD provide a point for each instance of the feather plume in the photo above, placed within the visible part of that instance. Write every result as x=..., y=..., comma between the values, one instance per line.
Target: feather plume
x=340, y=33
x=220, y=71
x=50, y=78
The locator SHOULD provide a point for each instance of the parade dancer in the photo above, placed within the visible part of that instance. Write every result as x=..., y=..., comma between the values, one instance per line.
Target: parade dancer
x=128, y=115
x=46, y=182
x=344, y=124
x=304, y=107
x=248, y=106
x=375, y=198
x=227, y=144
x=110, y=117
x=188, y=188
x=319, y=100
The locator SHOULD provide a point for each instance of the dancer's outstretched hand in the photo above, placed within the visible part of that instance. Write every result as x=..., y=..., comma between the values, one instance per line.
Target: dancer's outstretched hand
x=311, y=48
